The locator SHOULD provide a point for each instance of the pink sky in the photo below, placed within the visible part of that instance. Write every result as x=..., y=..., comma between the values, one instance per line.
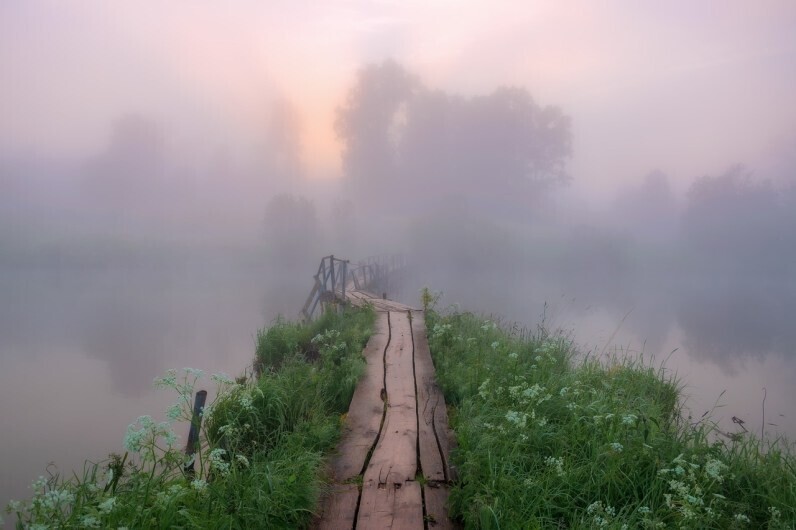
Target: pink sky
x=687, y=87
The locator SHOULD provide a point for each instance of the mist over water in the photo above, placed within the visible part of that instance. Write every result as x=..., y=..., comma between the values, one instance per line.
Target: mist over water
x=167, y=188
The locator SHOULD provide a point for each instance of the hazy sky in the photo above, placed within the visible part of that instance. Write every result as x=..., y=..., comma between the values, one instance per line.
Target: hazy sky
x=688, y=87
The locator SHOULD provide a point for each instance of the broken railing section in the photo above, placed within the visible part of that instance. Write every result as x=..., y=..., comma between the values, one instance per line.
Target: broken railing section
x=378, y=274
x=335, y=276
x=329, y=287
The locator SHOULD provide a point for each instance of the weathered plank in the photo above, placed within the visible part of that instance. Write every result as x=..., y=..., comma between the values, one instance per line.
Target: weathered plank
x=339, y=508
x=366, y=409
x=401, y=372
x=357, y=296
x=394, y=460
x=436, y=496
x=396, y=506
x=429, y=398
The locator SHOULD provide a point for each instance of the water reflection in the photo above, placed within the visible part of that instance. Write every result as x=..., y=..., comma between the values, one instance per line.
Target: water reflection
x=724, y=323
x=80, y=347
x=131, y=338
x=716, y=332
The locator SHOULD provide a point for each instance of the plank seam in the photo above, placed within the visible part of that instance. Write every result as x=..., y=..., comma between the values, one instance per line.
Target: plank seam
x=381, y=425
x=419, y=463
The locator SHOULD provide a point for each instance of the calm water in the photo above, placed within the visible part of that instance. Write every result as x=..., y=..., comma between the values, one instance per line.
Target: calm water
x=715, y=333
x=80, y=347
x=79, y=350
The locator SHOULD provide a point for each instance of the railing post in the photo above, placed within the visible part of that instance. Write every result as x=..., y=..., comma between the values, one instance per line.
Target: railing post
x=193, y=433
x=345, y=276
x=331, y=267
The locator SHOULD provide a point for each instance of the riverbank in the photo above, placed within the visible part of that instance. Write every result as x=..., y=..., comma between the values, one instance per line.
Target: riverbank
x=545, y=439
x=550, y=440
x=261, y=463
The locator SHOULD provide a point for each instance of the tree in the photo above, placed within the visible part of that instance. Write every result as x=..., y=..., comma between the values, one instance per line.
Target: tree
x=734, y=221
x=399, y=136
x=649, y=210
x=284, y=143
x=367, y=122
x=132, y=166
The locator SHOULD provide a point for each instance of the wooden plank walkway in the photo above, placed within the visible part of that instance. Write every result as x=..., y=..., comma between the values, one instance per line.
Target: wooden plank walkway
x=391, y=470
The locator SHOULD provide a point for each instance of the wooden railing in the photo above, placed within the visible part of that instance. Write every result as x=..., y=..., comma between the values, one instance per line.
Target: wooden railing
x=329, y=286
x=373, y=273
x=335, y=276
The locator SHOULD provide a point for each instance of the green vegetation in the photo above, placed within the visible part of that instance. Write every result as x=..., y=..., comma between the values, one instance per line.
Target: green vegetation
x=260, y=461
x=546, y=440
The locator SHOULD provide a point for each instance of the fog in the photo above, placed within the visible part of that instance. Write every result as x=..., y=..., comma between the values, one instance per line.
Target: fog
x=170, y=175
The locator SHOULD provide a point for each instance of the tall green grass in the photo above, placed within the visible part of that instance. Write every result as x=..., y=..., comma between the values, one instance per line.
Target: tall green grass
x=261, y=457
x=546, y=440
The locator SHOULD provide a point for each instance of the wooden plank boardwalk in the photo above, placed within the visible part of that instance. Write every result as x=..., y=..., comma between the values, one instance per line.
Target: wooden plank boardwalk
x=391, y=467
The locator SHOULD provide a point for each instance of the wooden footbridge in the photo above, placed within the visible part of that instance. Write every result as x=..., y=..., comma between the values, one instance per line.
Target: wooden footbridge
x=391, y=469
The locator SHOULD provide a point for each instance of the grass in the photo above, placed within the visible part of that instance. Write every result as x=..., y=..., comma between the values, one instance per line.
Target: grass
x=548, y=440
x=261, y=457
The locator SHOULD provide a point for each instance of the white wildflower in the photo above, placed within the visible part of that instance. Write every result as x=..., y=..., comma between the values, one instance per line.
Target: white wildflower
x=107, y=505
x=594, y=507
x=174, y=412
x=194, y=372
x=170, y=438
x=483, y=389
x=714, y=469
x=89, y=521
x=629, y=419
x=517, y=418
x=513, y=355
x=222, y=379
x=246, y=402
x=199, y=485
x=557, y=463
x=217, y=461
x=168, y=381
x=616, y=447
x=514, y=391
x=39, y=483
x=532, y=392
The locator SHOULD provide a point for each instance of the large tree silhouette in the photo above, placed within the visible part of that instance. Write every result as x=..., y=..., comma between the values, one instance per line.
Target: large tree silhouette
x=368, y=122
x=400, y=137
